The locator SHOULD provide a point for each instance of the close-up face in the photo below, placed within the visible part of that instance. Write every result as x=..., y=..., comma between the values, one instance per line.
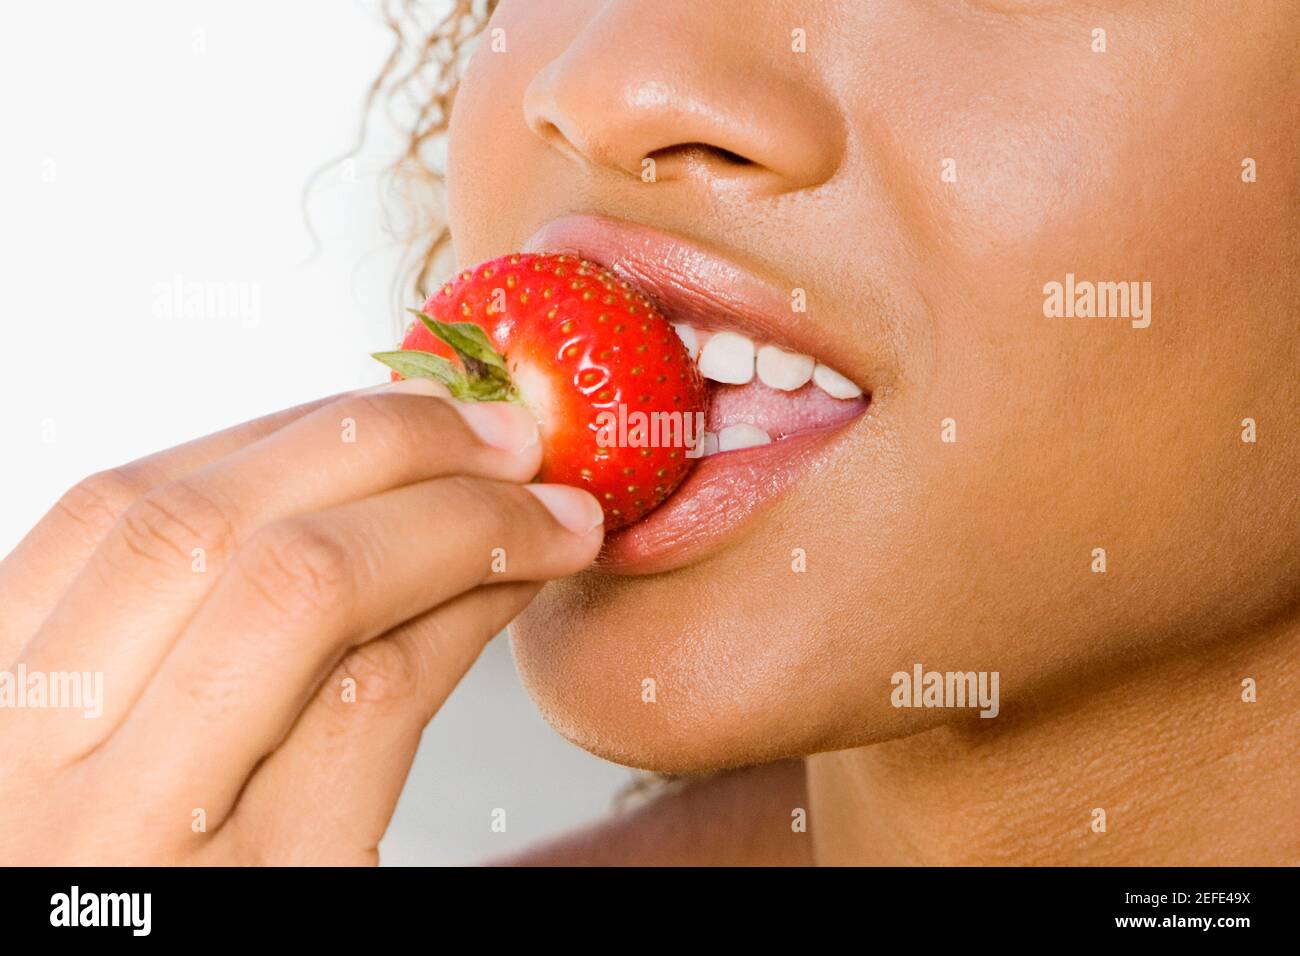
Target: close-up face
x=656, y=433
x=1054, y=244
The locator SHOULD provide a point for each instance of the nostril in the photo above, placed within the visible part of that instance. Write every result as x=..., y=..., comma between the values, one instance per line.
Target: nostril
x=734, y=159
x=700, y=156
x=700, y=152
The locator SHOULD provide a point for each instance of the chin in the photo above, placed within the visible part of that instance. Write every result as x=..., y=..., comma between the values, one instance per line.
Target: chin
x=741, y=674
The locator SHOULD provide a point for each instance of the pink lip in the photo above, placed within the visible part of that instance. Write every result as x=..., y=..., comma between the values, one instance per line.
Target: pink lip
x=715, y=500
x=694, y=286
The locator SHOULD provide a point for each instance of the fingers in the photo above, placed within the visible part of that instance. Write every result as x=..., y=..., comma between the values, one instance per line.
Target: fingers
x=354, y=743
x=42, y=566
x=307, y=589
x=123, y=613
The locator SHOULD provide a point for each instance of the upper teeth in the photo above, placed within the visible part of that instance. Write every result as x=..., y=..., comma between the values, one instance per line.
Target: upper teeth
x=689, y=339
x=732, y=358
x=727, y=357
x=784, y=370
x=833, y=383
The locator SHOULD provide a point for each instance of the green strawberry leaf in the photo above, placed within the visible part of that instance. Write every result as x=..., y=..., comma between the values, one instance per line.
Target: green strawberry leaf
x=471, y=345
x=410, y=363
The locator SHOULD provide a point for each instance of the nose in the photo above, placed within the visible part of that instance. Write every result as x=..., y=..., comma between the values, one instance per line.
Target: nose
x=699, y=92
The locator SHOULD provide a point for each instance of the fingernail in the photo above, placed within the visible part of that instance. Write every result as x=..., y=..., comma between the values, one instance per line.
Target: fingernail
x=415, y=386
x=571, y=507
x=500, y=424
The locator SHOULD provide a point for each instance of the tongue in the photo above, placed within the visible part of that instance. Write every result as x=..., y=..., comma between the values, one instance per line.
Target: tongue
x=778, y=413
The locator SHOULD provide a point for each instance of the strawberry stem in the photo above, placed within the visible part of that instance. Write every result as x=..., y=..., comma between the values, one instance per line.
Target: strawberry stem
x=482, y=377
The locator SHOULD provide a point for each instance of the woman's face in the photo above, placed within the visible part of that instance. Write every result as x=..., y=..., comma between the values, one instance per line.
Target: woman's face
x=922, y=170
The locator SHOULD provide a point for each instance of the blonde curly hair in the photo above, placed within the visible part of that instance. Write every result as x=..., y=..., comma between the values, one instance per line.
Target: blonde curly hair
x=415, y=90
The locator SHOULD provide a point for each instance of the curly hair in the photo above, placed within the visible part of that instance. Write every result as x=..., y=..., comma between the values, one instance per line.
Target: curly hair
x=415, y=89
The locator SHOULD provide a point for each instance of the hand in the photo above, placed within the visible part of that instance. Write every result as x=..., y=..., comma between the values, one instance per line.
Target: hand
x=272, y=614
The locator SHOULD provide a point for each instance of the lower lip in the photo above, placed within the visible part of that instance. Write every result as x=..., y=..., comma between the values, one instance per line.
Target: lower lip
x=719, y=496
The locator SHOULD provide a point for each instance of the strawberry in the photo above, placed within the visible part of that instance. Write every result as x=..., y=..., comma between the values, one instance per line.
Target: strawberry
x=581, y=349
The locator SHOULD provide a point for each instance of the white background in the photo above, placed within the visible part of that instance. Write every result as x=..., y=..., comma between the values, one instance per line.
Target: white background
x=148, y=141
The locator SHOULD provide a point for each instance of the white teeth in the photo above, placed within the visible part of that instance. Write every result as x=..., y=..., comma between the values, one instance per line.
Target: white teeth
x=784, y=370
x=743, y=435
x=689, y=339
x=710, y=444
x=733, y=359
x=833, y=383
x=728, y=358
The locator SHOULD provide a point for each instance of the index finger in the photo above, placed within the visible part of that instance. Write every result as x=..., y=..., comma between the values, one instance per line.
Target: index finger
x=44, y=563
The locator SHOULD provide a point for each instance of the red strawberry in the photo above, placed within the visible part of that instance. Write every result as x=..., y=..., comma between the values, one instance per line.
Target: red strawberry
x=572, y=342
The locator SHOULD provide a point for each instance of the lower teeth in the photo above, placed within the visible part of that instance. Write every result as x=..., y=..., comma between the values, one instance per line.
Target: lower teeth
x=743, y=435
x=747, y=416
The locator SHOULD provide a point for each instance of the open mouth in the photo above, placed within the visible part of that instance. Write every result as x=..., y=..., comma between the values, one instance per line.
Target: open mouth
x=761, y=393
x=776, y=396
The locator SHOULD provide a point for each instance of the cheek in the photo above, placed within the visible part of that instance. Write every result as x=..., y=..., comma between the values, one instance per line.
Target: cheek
x=487, y=147
x=495, y=163
x=1089, y=431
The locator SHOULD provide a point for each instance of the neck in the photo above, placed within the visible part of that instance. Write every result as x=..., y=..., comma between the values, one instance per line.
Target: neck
x=1186, y=772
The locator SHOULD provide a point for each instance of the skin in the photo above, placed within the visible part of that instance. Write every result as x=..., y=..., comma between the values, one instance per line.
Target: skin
x=226, y=706
x=1120, y=691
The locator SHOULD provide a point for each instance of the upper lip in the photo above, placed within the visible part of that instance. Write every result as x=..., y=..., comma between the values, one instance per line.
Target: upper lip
x=698, y=287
